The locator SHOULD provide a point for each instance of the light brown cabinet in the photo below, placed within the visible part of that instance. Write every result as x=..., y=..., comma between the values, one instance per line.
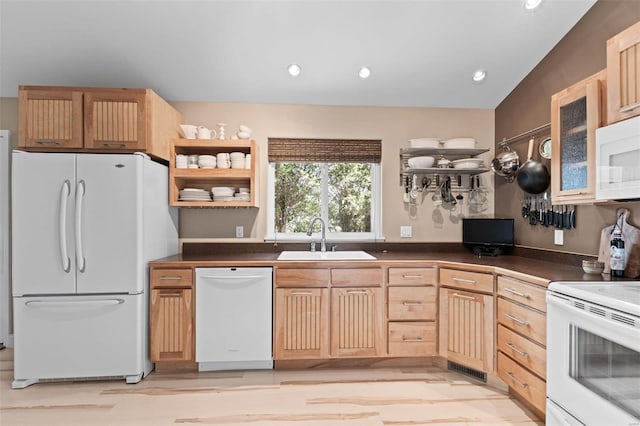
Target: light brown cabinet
x=172, y=315
x=301, y=326
x=522, y=327
x=324, y=313
x=576, y=113
x=180, y=178
x=95, y=120
x=623, y=74
x=412, y=311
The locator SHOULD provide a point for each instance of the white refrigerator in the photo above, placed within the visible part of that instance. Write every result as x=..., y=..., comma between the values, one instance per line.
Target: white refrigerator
x=84, y=227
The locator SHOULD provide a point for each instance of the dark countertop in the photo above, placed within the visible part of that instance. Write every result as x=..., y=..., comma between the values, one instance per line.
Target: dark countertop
x=531, y=269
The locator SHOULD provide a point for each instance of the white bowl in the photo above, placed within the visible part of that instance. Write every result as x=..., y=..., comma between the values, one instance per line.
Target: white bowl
x=424, y=143
x=420, y=162
x=460, y=143
x=467, y=163
x=244, y=135
x=245, y=129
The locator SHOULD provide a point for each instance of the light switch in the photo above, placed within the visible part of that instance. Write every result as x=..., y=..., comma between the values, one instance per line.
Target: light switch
x=405, y=232
x=558, y=237
x=239, y=231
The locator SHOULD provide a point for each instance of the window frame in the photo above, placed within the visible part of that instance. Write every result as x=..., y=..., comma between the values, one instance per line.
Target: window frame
x=376, y=213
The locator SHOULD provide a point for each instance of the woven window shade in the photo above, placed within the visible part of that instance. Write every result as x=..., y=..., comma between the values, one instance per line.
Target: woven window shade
x=325, y=150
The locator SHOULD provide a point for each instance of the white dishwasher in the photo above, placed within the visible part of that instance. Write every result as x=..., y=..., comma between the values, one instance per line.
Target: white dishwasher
x=234, y=318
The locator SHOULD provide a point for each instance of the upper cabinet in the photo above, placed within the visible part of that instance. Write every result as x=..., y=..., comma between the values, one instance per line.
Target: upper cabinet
x=623, y=74
x=96, y=120
x=576, y=113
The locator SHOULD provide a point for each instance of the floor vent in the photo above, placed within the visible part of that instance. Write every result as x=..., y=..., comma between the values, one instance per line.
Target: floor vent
x=458, y=368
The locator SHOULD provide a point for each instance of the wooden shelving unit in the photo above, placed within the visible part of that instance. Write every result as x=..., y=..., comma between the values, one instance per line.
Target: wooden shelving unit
x=207, y=178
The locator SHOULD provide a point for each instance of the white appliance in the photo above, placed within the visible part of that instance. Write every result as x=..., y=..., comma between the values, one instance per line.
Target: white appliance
x=618, y=160
x=84, y=227
x=233, y=318
x=5, y=292
x=593, y=353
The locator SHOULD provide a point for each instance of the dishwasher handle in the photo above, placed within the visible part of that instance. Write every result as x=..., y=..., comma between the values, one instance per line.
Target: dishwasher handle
x=232, y=277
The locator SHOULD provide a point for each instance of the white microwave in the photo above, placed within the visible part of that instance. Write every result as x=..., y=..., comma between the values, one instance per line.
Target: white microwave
x=618, y=161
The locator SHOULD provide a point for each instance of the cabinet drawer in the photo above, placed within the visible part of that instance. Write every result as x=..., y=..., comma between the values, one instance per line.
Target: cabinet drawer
x=474, y=281
x=356, y=277
x=412, y=276
x=307, y=277
x=527, y=294
x=529, y=323
x=522, y=382
x=172, y=278
x=412, y=338
x=412, y=303
x=524, y=351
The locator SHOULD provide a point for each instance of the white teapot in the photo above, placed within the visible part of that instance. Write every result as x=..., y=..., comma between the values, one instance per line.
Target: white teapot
x=204, y=133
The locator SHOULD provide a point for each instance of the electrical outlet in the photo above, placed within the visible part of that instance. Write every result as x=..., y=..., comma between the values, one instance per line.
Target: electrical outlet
x=558, y=237
x=405, y=232
x=239, y=231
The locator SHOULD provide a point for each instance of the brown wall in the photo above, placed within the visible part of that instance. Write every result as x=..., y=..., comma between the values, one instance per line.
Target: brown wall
x=581, y=53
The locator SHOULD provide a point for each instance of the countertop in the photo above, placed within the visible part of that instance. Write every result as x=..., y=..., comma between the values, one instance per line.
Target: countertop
x=541, y=272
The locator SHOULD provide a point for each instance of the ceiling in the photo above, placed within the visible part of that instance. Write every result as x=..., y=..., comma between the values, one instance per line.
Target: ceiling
x=421, y=53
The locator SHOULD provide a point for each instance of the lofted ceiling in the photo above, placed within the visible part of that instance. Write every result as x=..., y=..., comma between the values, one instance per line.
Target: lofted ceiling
x=421, y=52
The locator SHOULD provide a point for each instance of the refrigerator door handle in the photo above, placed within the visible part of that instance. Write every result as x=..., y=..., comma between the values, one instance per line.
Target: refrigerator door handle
x=65, y=191
x=80, y=260
x=71, y=303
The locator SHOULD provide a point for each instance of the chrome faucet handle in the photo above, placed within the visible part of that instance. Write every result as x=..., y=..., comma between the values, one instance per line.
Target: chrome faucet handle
x=334, y=247
x=312, y=246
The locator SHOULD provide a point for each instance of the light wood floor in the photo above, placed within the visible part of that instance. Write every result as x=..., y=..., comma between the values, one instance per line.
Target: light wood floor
x=340, y=397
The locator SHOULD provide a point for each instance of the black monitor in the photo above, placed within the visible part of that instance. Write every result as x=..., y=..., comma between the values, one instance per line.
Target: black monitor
x=489, y=237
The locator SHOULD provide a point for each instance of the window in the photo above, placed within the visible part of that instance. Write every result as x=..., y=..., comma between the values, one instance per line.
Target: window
x=343, y=191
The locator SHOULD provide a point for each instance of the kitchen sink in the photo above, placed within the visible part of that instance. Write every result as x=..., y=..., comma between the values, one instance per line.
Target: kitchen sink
x=325, y=255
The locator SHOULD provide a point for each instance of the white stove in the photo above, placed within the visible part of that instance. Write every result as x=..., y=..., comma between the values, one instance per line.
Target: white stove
x=620, y=295
x=593, y=353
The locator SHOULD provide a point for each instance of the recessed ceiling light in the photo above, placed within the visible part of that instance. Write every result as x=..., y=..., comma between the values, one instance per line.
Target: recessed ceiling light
x=531, y=4
x=364, y=72
x=479, y=75
x=294, y=70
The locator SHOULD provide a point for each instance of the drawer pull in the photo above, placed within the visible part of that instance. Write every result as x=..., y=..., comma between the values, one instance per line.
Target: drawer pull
x=519, y=321
x=516, y=350
x=357, y=291
x=412, y=276
x=170, y=278
x=460, y=296
x=116, y=144
x=47, y=142
x=411, y=303
x=409, y=339
x=170, y=295
x=630, y=108
x=512, y=377
x=463, y=280
x=517, y=293
x=301, y=293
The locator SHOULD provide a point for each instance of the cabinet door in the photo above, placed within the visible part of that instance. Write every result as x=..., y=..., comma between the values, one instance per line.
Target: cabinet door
x=575, y=116
x=50, y=119
x=357, y=322
x=466, y=328
x=301, y=324
x=623, y=74
x=171, y=325
x=115, y=120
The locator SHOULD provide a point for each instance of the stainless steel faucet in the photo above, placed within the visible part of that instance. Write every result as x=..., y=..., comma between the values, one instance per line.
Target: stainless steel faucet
x=323, y=241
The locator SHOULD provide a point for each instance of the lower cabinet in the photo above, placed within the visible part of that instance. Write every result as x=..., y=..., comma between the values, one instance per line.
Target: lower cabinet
x=466, y=324
x=171, y=325
x=171, y=315
x=321, y=313
x=301, y=329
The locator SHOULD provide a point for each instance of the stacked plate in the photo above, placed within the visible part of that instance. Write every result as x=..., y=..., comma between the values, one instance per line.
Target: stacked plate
x=242, y=195
x=223, y=193
x=194, y=194
x=237, y=160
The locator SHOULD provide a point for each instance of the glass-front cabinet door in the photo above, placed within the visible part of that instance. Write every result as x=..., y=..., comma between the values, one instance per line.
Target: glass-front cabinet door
x=576, y=113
